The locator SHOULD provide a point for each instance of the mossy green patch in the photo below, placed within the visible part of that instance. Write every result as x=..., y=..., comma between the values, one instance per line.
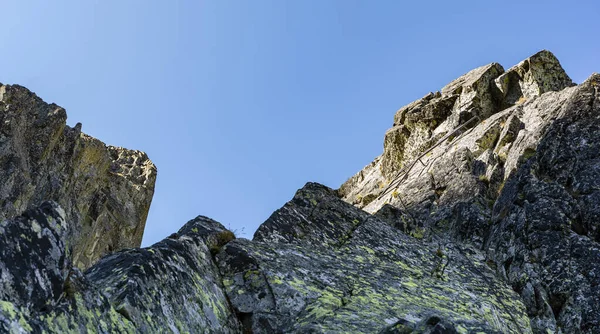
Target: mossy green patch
x=8, y=308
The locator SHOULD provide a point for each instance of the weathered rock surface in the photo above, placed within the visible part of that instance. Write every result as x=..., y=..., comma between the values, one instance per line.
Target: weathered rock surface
x=173, y=286
x=355, y=273
x=545, y=235
x=469, y=101
x=491, y=228
x=105, y=191
x=532, y=77
x=518, y=184
x=321, y=265
x=39, y=291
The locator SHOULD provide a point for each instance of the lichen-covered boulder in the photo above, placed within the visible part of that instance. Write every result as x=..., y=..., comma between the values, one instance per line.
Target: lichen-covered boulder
x=173, y=286
x=39, y=291
x=320, y=265
x=105, y=191
x=533, y=76
x=476, y=95
x=33, y=257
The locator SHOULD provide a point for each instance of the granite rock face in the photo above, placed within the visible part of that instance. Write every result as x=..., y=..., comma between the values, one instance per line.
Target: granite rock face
x=545, y=233
x=40, y=292
x=320, y=265
x=173, y=286
x=355, y=273
x=465, y=106
x=532, y=77
x=481, y=216
x=518, y=184
x=105, y=191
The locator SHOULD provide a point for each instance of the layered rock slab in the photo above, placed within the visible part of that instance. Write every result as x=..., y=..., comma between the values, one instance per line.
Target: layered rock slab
x=173, y=286
x=348, y=271
x=105, y=191
x=40, y=293
x=321, y=265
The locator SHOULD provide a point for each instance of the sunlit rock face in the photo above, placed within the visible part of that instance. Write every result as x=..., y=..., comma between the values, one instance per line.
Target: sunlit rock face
x=461, y=113
x=481, y=216
x=105, y=191
x=510, y=183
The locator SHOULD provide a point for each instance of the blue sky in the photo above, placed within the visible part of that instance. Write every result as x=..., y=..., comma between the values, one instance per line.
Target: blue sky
x=239, y=103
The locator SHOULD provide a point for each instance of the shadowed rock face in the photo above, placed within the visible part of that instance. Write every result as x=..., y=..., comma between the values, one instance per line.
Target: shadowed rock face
x=105, y=191
x=545, y=233
x=494, y=230
x=322, y=265
x=519, y=184
x=173, y=286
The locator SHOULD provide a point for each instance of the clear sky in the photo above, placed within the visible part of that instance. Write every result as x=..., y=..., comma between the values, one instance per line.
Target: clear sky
x=239, y=103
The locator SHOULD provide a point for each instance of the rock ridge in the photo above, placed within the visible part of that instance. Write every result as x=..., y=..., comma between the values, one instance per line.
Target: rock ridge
x=489, y=229
x=477, y=95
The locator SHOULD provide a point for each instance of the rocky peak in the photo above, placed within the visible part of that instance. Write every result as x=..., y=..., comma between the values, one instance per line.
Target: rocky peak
x=504, y=183
x=443, y=117
x=532, y=77
x=106, y=191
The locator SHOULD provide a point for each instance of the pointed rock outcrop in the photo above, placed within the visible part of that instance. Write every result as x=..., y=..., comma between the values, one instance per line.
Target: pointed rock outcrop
x=105, y=191
x=518, y=184
x=468, y=105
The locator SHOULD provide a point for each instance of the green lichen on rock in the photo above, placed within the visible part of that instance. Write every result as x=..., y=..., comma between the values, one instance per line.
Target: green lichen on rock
x=377, y=277
x=127, y=292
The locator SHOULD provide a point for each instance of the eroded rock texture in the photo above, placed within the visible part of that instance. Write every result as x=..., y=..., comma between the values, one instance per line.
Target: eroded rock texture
x=483, y=105
x=545, y=225
x=320, y=265
x=173, y=286
x=518, y=183
x=105, y=191
x=481, y=216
